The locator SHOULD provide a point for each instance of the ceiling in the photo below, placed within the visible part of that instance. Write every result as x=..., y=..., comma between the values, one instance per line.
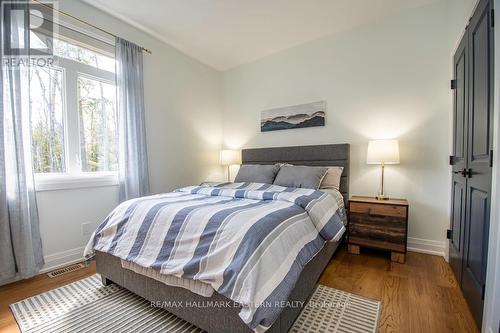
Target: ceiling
x=228, y=33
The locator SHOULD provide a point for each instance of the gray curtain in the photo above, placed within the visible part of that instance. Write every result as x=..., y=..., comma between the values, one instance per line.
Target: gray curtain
x=20, y=243
x=133, y=159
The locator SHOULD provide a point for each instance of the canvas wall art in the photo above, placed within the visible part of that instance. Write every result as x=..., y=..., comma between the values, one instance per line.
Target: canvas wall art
x=297, y=116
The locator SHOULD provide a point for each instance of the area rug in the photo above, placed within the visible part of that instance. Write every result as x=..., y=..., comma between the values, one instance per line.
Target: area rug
x=88, y=306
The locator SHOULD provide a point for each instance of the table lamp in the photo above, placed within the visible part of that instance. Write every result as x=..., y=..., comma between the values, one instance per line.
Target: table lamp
x=382, y=152
x=230, y=157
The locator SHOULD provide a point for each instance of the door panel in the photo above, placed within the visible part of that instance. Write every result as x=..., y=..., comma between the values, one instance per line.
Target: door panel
x=476, y=236
x=478, y=204
x=460, y=104
x=457, y=228
x=458, y=213
x=459, y=160
x=480, y=89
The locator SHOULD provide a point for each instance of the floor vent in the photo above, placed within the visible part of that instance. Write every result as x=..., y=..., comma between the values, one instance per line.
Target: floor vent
x=65, y=270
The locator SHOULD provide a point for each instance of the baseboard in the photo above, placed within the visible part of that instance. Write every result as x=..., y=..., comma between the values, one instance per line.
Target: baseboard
x=427, y=246
x=61, y=259
x=55, y=261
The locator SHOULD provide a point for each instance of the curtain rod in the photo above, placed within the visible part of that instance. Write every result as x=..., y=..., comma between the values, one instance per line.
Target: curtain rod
x=87, y=23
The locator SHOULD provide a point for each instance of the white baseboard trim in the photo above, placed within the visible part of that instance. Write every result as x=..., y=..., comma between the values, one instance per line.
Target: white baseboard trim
x=55, y=261
x=437, y=248
x=61, y=259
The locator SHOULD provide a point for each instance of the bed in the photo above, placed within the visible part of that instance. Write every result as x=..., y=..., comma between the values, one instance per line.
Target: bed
x=227, y=318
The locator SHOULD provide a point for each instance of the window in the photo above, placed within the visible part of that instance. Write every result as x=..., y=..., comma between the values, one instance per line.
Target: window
x=73, y=114
x=47, y=122
x=83, y=55
x=98, y=124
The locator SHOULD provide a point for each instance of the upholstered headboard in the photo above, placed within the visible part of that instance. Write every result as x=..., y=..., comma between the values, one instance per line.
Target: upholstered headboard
x=319, y=155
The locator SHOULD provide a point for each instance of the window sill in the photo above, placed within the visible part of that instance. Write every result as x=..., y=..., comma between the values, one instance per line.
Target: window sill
x=66, y=182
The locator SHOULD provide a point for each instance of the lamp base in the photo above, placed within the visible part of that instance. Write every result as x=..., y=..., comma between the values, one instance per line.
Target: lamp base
x=381, y=197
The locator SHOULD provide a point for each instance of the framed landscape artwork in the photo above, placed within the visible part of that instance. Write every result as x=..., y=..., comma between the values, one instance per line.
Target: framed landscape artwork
x=297, y=116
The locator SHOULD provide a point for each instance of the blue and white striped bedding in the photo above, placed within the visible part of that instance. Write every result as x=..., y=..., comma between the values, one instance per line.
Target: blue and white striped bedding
x=249, y=241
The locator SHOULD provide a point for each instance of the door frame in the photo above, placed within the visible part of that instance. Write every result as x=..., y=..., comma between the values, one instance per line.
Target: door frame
x=492, y=299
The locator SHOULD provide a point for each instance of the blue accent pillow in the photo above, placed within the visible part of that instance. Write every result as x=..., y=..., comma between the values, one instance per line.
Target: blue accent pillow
x=300, y=176
x=254, y=173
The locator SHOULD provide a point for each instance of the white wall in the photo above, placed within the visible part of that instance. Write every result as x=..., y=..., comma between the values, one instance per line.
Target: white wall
x=386, y=79
x=183, y=123
x=62, y=214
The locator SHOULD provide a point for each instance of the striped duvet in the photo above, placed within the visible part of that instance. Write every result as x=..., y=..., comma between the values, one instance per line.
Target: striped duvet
x=249, y=241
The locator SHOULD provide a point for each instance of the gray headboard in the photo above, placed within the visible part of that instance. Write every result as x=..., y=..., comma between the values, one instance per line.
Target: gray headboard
x=319, y=155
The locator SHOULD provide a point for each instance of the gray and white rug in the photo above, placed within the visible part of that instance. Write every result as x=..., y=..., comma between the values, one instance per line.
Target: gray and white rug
x=87, y=306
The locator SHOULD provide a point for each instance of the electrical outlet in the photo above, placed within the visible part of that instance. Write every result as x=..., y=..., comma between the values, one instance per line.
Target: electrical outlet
x=87, y=229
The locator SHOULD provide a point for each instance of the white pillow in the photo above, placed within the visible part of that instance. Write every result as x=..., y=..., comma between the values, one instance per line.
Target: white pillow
x=332, y=178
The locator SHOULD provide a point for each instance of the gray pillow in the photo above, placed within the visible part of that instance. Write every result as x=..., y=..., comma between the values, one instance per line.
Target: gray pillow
x=253, y=173
x=300, y=176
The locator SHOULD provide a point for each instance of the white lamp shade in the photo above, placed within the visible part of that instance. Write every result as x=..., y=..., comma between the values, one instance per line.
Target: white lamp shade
x=230, y=157
x=383, y=151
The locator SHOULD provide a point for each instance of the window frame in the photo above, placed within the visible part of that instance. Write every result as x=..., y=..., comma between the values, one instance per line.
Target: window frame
x=74, y=177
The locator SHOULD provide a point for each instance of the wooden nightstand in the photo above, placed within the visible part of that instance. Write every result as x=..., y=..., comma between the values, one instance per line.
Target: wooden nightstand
x=380, y=224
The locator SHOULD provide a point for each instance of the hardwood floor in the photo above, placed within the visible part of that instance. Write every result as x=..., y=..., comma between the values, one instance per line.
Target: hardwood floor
x=419, y=296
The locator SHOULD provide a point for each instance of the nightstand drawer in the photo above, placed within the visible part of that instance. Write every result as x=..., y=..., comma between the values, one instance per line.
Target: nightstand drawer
x=380, y=233
x=377, y=210
x=377, y=220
